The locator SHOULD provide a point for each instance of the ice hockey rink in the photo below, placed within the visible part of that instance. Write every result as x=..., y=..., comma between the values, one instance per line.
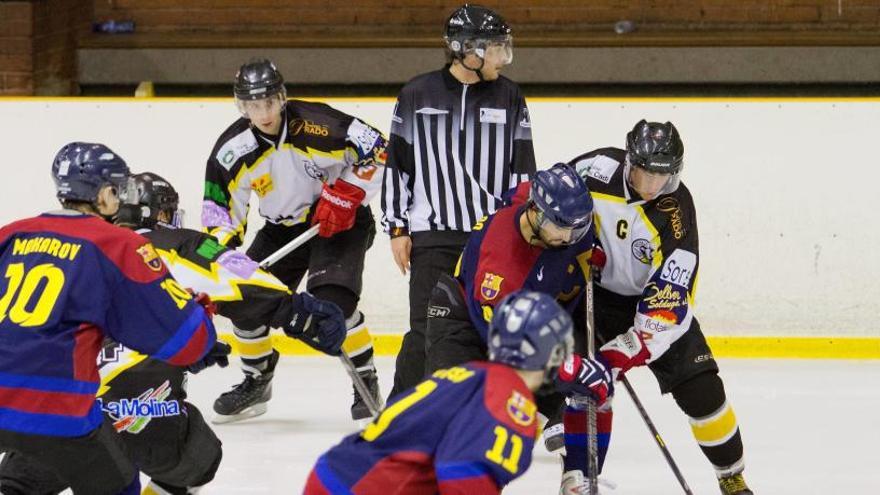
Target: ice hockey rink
x=809, y=427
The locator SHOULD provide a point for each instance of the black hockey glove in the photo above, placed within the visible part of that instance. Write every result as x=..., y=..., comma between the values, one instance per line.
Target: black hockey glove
x=318, y=323
x=219, y=355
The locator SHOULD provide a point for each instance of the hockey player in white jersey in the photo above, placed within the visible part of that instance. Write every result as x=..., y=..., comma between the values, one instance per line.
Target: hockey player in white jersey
x=644, y=299
x=307, y=163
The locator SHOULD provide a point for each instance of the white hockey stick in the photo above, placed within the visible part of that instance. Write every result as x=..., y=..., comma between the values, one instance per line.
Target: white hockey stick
x=290, y=246
x=356, y=379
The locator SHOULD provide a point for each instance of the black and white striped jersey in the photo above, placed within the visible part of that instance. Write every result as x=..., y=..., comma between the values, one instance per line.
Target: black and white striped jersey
x=652, y=248
x=454, y=150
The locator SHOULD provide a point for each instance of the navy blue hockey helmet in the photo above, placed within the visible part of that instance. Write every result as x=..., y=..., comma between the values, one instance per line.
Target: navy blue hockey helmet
x=530, y=331
x=562, y=199
x=81, y=170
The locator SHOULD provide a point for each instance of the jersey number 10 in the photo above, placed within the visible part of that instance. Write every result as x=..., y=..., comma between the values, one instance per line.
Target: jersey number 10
x=19, y=300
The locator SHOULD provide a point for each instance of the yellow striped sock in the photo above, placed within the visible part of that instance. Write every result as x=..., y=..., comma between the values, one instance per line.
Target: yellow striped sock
x=715, y=429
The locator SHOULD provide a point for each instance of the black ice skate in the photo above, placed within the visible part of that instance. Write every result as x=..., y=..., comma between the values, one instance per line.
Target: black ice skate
x=247, y=399
x=734, y=485
x=359, y=409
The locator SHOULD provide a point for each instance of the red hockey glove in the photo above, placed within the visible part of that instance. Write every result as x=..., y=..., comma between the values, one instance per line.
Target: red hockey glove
x=204, y=300
x=598, y=258
x=337, y=207
x=581, y=376
x=626, y=351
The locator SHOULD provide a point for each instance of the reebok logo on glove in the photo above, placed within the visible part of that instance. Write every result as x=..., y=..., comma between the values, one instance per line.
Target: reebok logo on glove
x=336, y=200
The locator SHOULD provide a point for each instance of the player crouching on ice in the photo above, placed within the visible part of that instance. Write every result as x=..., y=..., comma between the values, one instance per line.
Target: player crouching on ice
x=73, y=279
x=468, y=429
x=144, y=398
x=250, y=297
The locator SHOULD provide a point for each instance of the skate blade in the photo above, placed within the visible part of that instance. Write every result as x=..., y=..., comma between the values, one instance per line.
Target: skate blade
x=246, y=413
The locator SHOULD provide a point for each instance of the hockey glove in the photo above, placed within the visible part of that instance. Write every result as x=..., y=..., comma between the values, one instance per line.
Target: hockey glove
x=219, y=355
x=318, y=323
x=585, y=377
x=204, y=300
x=598, y=258
x=625, y=351
x=337, y=207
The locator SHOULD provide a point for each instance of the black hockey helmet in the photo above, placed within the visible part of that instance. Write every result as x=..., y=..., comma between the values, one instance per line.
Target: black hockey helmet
x=470, y=22
x=258, y=79
x=655, y=147
x=153, y=195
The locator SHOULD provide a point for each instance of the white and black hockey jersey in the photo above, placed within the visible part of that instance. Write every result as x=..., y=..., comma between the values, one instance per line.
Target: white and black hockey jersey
x=652, y=248
x=317, y=144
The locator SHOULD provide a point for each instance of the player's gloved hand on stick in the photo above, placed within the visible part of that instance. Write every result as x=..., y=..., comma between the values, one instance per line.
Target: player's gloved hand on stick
x=219, y=355
x=625, y=351
x=204, y=300
x=337, y=207
x=598, y=258
x=318, y=323
x=585, y=377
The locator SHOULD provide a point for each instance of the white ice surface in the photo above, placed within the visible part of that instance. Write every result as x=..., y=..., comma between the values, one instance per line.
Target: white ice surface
x=809, y=427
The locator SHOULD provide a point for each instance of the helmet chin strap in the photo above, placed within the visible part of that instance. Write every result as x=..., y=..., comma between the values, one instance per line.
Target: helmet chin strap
x=478, y=70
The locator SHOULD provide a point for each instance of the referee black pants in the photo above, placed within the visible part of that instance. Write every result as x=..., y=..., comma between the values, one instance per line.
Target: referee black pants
x=433, y=253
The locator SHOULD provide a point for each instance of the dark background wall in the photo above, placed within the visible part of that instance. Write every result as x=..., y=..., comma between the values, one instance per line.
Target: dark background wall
x=47, y=47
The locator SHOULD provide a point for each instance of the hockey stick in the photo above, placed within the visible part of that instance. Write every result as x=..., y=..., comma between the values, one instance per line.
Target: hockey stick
x=656, y=434
x=359, y=384
x=592, y=427
x=356, y=379
x=290, y=247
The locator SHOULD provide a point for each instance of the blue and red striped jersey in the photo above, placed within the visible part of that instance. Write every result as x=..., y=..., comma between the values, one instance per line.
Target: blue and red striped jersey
x=465, y=430
x=69, y=280
x=497, y=260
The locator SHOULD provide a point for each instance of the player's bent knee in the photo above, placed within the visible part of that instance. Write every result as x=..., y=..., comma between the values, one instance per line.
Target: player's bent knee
x=701, y=395
x=199, y=457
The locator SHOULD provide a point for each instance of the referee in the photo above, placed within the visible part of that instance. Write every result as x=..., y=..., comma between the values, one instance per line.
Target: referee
x=460, y=138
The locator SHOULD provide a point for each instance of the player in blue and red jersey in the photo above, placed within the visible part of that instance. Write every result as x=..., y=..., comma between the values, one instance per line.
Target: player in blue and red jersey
x=70, y=279
x=541, y=240
x=468, y=429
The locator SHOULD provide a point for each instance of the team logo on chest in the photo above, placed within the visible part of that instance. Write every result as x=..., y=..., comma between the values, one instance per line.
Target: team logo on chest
x=263, y=185
x=491, y=286
x=520, y=409
x=150, y=257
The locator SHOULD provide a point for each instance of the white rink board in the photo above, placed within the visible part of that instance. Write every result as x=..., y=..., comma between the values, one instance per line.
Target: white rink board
x=784, y=191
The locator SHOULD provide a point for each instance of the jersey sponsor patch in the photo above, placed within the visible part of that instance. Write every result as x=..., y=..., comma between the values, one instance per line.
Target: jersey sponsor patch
x=679, y=268
x=493, y=115
x=520, y=409
x=601, y=168
x=365, y=137
x=666, y=297
x=133, y=415
x=298, y=126
x=656, y=321
x=150, y=257
x=491, y=286
x=263, y=185
x=236, y=148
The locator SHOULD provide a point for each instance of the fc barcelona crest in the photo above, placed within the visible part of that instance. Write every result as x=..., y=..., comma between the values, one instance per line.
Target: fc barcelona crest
x=491, y=286
x=150, y=257
x=520, y=409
